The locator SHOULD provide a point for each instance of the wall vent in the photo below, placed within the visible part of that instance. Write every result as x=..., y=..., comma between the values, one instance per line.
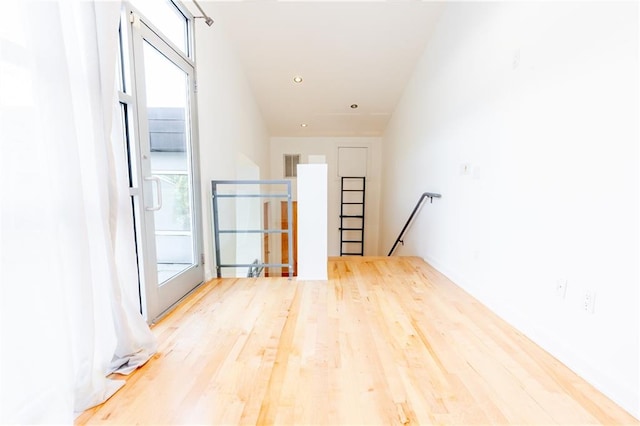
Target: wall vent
x=291, y=162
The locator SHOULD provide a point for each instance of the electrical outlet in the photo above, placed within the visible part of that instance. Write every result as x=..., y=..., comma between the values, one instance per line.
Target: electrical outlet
x=589, y=301
x=515, y=63
x=465, y=169
x=561, y=288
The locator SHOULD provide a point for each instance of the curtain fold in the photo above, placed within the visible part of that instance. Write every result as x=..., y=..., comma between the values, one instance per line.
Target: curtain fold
x=70, y=314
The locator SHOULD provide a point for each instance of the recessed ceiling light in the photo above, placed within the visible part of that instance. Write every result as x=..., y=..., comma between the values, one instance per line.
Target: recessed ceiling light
x=297, y=79
x=303, y=125
x=354, y=106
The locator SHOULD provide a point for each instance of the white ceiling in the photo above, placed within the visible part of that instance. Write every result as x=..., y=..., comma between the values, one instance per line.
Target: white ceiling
x=360, y=52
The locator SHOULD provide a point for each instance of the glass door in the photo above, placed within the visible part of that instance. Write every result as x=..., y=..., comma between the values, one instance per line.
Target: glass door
x=170, y=223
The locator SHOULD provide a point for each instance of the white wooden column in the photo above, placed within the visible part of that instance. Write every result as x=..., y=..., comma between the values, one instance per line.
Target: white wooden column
x=312, y=222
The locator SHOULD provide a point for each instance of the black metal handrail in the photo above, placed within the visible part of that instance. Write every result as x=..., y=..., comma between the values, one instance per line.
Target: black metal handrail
x=429, y=195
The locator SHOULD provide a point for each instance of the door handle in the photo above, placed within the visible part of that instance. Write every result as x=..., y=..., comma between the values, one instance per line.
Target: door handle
x=158, y=183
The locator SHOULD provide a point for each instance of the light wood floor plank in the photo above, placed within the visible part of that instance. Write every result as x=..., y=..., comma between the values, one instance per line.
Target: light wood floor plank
x=383, y=341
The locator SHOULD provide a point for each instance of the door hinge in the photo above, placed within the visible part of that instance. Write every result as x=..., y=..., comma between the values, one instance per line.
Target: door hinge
x=134, y=20
x=202, y=258
x=195, y=86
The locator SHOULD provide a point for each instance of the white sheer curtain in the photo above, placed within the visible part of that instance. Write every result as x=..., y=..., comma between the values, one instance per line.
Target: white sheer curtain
x=69, y=283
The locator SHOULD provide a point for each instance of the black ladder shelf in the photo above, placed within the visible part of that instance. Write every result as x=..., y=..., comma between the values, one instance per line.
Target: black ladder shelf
x=352, y=190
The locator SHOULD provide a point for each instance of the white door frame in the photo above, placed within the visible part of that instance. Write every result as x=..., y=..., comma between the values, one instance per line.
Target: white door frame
x=158, y=299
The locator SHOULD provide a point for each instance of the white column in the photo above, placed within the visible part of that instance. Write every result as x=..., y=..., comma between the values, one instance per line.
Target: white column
x=312, y=221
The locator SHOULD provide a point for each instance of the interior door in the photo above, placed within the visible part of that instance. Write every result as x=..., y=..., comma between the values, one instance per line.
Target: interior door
x=170, y=224
x=284, y=244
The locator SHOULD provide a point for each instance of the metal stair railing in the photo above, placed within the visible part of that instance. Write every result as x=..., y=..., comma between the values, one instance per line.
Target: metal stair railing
x=256, y=267
x=429, y=195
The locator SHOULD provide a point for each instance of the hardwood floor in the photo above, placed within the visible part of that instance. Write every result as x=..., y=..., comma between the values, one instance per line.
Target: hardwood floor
x=384, y=341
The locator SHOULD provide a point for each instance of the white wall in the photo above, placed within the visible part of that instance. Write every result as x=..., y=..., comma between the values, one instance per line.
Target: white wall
x=248, y=215
x=541, y=101
x=232, y=131
x=329, y=148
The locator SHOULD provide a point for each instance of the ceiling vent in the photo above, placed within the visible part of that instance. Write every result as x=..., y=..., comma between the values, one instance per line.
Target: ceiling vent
x=291, y=162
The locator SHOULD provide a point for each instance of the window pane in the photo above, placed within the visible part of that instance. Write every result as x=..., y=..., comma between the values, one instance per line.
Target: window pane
x=168, y=122
x=126, y=140
x=166, y=17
